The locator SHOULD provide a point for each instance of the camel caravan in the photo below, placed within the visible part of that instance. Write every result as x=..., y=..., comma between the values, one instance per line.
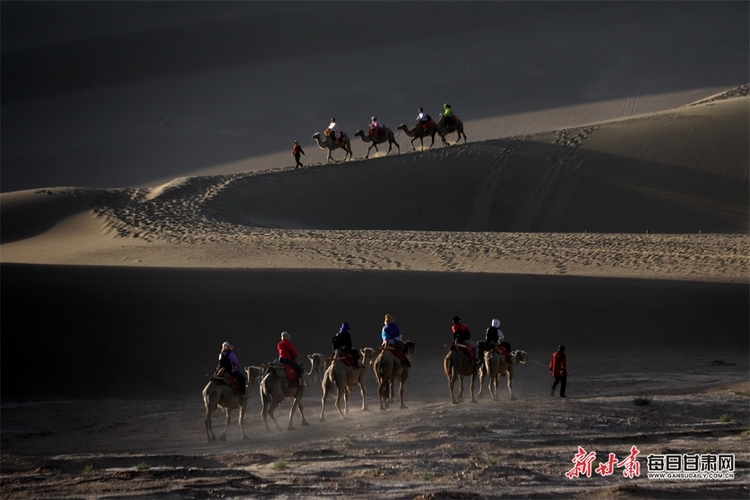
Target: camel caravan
x=346, y=368
x=332, y=138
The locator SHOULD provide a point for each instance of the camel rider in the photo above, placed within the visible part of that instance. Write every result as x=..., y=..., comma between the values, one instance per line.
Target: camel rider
x=462, y=335
x=448, y=116
x=343, y=342
x=228, y=361
x=288, y=355
x=375, y=127
x=392, y=337
x=495, y=335
x=333, y=128
x=423, y=119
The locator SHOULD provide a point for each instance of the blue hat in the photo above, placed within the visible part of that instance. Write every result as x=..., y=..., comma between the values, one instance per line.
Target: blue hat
x=344, y=327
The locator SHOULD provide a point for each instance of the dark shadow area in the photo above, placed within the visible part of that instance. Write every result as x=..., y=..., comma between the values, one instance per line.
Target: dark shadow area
x=99, y=332
x=277, y=77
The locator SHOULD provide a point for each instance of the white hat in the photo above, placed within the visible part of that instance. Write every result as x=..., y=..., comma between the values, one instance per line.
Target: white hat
x=227, y=345
x=495, y=323
x=285, y=335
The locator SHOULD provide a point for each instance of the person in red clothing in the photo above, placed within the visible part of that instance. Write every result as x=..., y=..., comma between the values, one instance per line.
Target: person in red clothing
x=462, y=335
x=288, y=355
x=558, y=368
x=296, y=151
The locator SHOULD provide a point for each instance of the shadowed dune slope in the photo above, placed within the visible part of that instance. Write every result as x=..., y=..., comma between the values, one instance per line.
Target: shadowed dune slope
x=685, y=170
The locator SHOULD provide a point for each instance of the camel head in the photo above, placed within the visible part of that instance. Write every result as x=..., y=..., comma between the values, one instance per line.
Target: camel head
x=360, y=133
x=410, y=346
x=318, y=364
x=368, y=356
x=252, y=373
x=520, y=356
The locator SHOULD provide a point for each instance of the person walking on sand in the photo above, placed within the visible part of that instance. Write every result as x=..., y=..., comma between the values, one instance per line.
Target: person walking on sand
x=296, y=151
x=558, y=368
x=228, y=361
x=288, y=355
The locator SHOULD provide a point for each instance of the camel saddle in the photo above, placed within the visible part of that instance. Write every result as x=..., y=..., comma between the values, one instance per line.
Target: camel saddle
x=346, y=357
x=221, y=377
x=281, y=369
x=398, y=351
x=467, y=349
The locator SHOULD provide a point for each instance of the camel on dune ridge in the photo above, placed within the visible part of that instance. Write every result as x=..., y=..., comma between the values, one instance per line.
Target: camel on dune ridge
x=345, y=377
x=386, y=135
x=328, y=143
x=444, y=129
x=275, y=386
x=496, y=367
x=219, y=393
x=420, y=133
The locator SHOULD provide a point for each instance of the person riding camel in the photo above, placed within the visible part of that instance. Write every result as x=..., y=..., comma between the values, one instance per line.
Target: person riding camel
x=334, y=129
x=392, y=337
x=462, y=335
x=375, y=127
x=448, y=116
x=423, y=119
x=343, y=342
x=495, y=335
x=288, y=355
x=228, y=361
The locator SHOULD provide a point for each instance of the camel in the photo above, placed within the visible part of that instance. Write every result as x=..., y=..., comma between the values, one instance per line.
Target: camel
x=274, y=387
x=443, y=130
x=388, y=368
x=219, y=393
x=457, y=365
x=332, y=145
x=495, y=366
x=387, y=135
x=419, y=133
x=344, y=378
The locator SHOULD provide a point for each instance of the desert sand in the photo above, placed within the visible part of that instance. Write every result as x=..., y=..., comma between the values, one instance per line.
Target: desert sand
x=150, y=211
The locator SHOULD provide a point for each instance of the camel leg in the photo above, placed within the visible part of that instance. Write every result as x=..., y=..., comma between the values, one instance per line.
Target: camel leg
x=363, y=391
x=401, y=393
x=383, y=394
x=473, y=384
x=340, y=395
x=243, y=411
x=326, y=386
x=209, y=431
x=510, y=386
x=223, y=435
x=460, y=397
x=481, y=382
x=301, y=410
x=272, y=406
x=295, y=404
x=451, y=384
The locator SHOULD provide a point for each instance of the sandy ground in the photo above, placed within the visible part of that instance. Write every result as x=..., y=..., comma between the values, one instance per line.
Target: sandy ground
x=117, y=448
